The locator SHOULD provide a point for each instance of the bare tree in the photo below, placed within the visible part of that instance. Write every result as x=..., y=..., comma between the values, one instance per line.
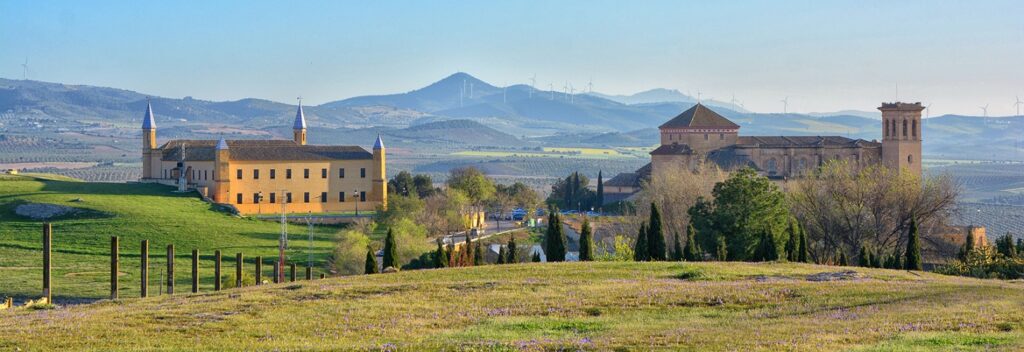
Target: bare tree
x=674, y=189
x=845, y=206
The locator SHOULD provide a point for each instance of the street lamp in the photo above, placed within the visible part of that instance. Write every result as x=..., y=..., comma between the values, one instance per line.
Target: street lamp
x=355, y=196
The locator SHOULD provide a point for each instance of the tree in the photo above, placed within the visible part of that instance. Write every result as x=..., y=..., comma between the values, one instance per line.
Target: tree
x=554, y=239
x=535, y=257
x=676, y=189
x=424, y=186
x=513, y=255
x=477, y=186
x=403, y=184
x=677, y=247
x=656, y=236
x=478, y=255
x=842, y=259
x=440, y=257
x=501, y=255
x=370, y=266
x=863, y=258
x=1004, y=246
x=843, y=205
x=744, y=205
x=913, y=256
x=586, y=242
x=572, y=193
x=968, y=247
x=876, y=259
x=690, y=252
x=640, y=251
x=801, y=251
x=721, y=249
x=791, y=243
x=767, y=250
x=1020, y=246
x=347, y=258
x=600, y=189
x=390, y=251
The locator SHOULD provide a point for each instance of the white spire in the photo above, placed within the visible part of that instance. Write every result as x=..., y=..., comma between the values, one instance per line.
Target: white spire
x=300, y=118
x=148, y=122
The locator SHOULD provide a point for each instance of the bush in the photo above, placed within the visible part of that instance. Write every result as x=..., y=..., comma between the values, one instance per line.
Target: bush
x=984, y=262
x=248, y=279
x=622, y=251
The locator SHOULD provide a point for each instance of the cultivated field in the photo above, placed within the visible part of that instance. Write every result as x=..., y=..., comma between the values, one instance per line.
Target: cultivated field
x=566, y=306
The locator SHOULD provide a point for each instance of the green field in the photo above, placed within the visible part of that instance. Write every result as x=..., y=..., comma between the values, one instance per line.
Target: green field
x=133, y=212
x=565, y=306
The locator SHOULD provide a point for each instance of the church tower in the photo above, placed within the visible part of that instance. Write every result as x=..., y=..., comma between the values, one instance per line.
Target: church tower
x=221, y=172
x=148, y=141
x=901, y=136
x=299, y=127
x=379, y=181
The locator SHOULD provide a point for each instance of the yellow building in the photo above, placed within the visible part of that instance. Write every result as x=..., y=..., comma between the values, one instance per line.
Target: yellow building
x=268, y=176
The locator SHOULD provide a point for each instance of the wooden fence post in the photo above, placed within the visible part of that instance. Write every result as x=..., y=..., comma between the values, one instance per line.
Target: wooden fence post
x=195, y=271
x=216, y=270
x=170, y=269
x=291, y=272
x=145, y=269
x=277, y=268
x=259, y=270
x=238, y=270
x=309, y=273
x=47, y=262
x=323, y=276
x=115, y=266
x=9, y=302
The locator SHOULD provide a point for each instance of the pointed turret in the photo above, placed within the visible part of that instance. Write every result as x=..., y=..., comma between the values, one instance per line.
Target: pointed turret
x=148, y=123
x=299, y=127
x=222, y=144
x=379, y=182
x=222, y=165
x=379, y=144
x=149, y=143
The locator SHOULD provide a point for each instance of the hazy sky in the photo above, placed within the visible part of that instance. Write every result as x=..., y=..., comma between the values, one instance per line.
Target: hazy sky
x=823, y=55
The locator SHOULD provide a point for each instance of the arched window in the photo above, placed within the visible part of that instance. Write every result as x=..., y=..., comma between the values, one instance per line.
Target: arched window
x=913, y=128
x=904, y=128
x=885, y=128
x=910, y=159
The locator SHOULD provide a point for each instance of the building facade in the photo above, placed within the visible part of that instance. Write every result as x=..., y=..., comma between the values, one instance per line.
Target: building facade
x=269, y=176
x=701, y=135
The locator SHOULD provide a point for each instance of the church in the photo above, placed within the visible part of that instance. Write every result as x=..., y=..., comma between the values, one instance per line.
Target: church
x=700, y=134
x=269, y=176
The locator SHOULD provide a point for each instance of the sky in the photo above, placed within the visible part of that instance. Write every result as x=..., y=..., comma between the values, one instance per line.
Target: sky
x=822, y=55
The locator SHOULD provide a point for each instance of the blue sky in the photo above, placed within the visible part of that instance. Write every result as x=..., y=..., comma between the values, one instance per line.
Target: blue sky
x=823, y=55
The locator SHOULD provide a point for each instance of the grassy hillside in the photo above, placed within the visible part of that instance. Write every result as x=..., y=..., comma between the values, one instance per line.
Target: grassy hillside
x=134, y=212
x=599, y=306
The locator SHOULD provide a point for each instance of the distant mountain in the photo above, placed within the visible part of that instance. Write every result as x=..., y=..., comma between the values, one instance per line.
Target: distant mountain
x=657, y=95
x=451, y=92
x=875, y=115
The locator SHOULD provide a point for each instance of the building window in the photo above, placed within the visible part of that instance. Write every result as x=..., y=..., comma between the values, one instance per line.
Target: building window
x=341, y=197
x=910, y=159
x=273, y=198
x=362, y=172
x=305, y=197
x=771, y=166
x=323, y=197
x=721, y=136
x=165, y=173
x=341, y=173
x=255, y=174
x=913, y=128
x=362, y=196
x=238, y=174
x=288, y=174
x=255, y=198
x=273, y=174
x=305, y=173
x=288, y=197
x=323, y=173
x=238, y=198
x=705, y=136
x=904, y=128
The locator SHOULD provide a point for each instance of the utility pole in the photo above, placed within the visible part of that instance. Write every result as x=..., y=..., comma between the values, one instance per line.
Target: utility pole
x=355, y=194
x=282, y=242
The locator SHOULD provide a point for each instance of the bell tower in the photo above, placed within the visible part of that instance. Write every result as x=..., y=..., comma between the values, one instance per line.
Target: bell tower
x=379, y=180
x=148, y=141
x=299, y=127
x=901, y=136
x=222, y=173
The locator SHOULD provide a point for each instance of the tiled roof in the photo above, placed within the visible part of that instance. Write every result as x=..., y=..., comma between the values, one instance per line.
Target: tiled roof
x=802, y=142
x=246, y=149
x=630, y=179
x=699, y=116
x=672, y=149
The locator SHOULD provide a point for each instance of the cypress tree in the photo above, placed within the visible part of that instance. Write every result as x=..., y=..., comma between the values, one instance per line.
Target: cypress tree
x=656, y=236
x=558, y=242
x=912, y=259
x=390, y=251
x=600, y=189
x=1004, y=245
x=575, y=189
x=535, y=257
x=897, y=262
x=440, y=257
x=801, y=250
x=772, y=250
x=791, y=244
x=968, y=246
x=1020, y=246
x=876, y=259
x=586, y=242
x=511, y=257
x=450, y=254
x=371, y=262
x=640, y=252
x=842, y=258
x=677, y=249
x=863, y=258
x=478, y=255
x=690, y=251
x=721, y=250
x=501, y=255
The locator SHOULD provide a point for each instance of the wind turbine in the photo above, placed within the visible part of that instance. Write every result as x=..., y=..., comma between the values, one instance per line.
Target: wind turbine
x=1017, y=104
x=984, y=110
x=735, y=102
x=927, y=110
x=590, y=86
x=533, y=82
x=785, y=105
x=504, y=94
x=551, y=88
x=24, y=69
